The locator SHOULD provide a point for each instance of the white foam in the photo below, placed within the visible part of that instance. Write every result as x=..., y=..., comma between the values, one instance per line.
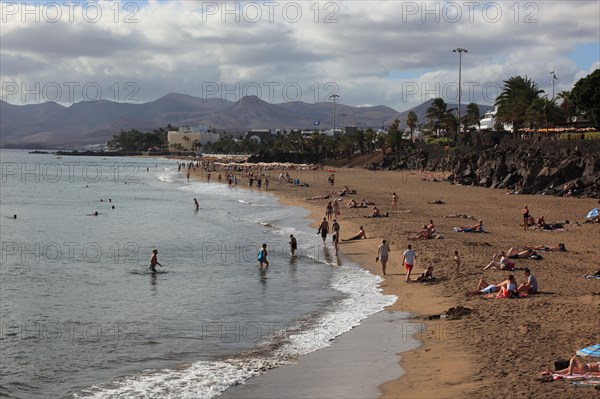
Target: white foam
x=207, y=379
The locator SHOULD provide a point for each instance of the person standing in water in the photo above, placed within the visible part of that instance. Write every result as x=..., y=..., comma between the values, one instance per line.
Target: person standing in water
x=323, y=229
x=293, y=244
x=196, y=204
x=262, y=256
x=154, y=261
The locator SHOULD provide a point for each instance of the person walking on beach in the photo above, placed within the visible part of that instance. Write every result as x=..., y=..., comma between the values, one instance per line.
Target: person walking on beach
x=323, y=229
x=382, y=255
x=525, y=213
x=336, y=208
x=408, y=258
x=196, y=204
x=335, y=237
x=293, y=244
x=262, y=256
x=394, y=202
x=457, y=262
x=329, y=211
x=154, y=261
x=335, y=226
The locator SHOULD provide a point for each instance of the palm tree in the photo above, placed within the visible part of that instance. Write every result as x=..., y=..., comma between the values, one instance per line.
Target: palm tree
x=411, y=122
x=543, y=112
x=439, y=115
x=370, y=137
x=394, y=136
x=566, y=106
x=516, y=97
x=472, y=115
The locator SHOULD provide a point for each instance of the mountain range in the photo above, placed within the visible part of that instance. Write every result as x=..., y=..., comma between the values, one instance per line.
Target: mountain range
x=51, y=125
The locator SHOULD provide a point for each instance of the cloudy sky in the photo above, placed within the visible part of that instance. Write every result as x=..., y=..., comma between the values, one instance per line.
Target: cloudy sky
x=395, y=53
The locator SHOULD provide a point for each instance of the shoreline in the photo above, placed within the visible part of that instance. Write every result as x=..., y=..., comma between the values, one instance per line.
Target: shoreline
x=447, y=364
x=410, y=383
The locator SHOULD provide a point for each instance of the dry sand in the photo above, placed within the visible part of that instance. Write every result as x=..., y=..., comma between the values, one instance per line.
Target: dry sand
x=499, y=349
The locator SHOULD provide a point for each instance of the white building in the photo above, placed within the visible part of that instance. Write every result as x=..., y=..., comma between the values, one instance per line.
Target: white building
x=188, y=138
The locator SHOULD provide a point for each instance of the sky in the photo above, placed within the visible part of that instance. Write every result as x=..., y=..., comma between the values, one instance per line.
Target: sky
x=393, y=53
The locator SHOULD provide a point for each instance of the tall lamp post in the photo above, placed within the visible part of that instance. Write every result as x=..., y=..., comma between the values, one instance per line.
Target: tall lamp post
x=459, y=50
x=334, y=97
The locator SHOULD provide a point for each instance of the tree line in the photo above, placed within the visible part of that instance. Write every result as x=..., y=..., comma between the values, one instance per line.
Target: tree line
x=521, y=104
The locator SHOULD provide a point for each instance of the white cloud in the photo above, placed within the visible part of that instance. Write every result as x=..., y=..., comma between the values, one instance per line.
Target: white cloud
x=391, y=52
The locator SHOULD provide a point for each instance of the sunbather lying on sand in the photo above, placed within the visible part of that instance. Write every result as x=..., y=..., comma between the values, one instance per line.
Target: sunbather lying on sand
x=345, y=191
x=364, y=203
x=578, y=366
x=437, y=202
x=503, y=264
x=361, y=234
x=426, y=275
x=560, y=248
x=377, y=213
x=484, y=287
x=478, y=228
x=426, y=232
x=514, y=253
x=459, y=215
x=324, y=196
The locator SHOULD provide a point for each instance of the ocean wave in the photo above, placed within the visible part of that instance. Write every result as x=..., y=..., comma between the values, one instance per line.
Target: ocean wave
x=207, y=379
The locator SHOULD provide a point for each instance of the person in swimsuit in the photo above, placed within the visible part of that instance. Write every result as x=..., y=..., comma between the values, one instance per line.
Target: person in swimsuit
x=335, y=237
x=196, y=204
x=262, y=256
x=361, y=234
x=382, y=255
x=394, y=202
x=525, y=213
x=323, y=229
x=579, y=366
x=154, y=261
x=329, y=211
x=484, y=288
x=457, y=262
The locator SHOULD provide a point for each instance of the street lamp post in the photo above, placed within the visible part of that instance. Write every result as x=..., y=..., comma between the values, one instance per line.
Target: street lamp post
x=459, y=50
x=334, y=97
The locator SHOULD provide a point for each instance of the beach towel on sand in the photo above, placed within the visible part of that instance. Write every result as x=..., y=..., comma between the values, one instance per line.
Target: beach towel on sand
x=498, y=295
x=586, y=383
x=574, y=377
x=467, y=230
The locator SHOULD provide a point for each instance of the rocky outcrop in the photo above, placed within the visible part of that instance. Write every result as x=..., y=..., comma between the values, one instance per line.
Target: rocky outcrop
x=523, y=169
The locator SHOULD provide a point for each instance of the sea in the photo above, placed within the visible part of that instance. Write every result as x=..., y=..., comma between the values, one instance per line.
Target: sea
x=82, y=316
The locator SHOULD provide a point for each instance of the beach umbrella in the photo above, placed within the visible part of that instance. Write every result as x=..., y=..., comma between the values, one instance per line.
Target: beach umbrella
x=592, y=214
x=592, y=351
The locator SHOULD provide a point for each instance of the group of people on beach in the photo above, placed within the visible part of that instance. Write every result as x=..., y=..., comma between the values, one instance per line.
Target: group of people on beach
x=508, y=288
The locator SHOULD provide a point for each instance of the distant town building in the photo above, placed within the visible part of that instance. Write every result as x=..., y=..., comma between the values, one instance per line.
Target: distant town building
x=187, y=138
x=258, y=134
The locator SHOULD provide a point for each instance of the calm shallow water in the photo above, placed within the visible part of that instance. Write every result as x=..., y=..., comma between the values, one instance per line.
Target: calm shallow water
x=81, y=314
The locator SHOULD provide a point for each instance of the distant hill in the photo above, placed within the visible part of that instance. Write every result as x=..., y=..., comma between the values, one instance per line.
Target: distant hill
x=51, y=125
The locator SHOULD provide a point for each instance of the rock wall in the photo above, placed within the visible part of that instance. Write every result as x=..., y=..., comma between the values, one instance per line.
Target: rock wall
x=547, y=167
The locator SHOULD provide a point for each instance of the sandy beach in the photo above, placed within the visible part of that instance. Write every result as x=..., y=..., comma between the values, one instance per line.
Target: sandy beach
x=503, y=345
